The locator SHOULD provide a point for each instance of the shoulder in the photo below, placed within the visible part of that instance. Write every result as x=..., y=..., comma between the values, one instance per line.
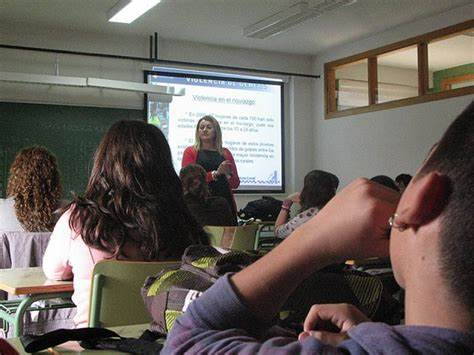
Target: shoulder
x=190, y=150
x=411, y=339
x=7, y=204
x=226, y=152
x=310, y=212
x=8, y=220
x=63, y=222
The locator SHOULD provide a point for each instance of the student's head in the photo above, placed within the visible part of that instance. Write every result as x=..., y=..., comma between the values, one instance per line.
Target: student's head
x=437, y=211
x=208, y=129
x=402, y=181
x=134, y=196
x=35, y=185
x=193, y=179
x=318, y=188
x=385, y=181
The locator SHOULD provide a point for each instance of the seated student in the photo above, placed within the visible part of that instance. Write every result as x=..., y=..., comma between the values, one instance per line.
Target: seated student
x=33, y=192
x=318, y=188
x=208, y=210
x=133, y=208
x=432, y=249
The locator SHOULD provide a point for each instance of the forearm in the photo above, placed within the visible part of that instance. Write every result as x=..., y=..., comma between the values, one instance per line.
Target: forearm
x=284, y=213
x=282, y=217
x=267, y=283
x=352, y=224
x=218, y=322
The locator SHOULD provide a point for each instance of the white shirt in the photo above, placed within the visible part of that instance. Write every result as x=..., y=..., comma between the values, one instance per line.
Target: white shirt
x=8, y=220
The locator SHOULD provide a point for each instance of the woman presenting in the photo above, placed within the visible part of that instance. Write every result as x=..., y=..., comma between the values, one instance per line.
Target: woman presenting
x=221, y=172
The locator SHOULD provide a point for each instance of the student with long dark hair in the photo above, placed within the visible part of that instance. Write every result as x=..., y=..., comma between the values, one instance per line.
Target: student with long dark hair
x=133, y=208
x=319, y=187
x=208, y=210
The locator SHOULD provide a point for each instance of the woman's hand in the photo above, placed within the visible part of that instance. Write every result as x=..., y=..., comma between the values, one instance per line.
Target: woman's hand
x=321, y=317
x=224, y=168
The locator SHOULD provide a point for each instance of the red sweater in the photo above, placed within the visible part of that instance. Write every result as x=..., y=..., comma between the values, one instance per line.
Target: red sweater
x=190, y=156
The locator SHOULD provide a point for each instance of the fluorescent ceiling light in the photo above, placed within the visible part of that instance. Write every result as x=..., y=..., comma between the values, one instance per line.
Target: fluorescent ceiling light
x=132, y=86
x=127, y=11
x=59, y=80
x=42, y=79
x=293, y=15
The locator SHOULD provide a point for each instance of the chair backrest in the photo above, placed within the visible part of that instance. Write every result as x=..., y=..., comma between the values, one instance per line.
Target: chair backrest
x=237, y=238
x=266, y=239
x=115, y=293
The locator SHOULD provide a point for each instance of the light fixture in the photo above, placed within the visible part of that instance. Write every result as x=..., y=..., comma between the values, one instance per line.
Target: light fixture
x=293, y=15
x=42, y=79
x=132, y=86
x=127, y=11
x=59, y=80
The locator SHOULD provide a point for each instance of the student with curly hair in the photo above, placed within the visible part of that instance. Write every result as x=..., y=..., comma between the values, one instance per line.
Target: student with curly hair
x=208, y=210
x=133, y=208
x=33, y=192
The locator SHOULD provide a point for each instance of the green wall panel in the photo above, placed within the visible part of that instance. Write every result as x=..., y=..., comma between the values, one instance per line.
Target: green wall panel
x=440, y=75
x=71, y=133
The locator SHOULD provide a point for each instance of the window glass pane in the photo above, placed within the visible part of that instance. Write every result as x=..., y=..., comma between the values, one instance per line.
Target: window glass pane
x=352, y=88
x=397, y=74
x=451, y=62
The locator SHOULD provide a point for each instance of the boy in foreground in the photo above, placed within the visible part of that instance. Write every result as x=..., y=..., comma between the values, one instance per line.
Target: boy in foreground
x=431, y=246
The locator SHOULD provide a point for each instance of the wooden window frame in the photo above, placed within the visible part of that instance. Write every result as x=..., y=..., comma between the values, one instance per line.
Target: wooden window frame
x=421, y=42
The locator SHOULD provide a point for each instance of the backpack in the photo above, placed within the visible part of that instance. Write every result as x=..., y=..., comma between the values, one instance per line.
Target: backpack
x=266, y=209
x=168, y=294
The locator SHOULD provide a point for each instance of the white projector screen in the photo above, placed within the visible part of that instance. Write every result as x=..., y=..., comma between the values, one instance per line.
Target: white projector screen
x=249, y=111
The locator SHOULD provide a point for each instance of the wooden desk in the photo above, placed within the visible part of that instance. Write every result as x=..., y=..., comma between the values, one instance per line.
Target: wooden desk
x=73, y=347
x=33, y=284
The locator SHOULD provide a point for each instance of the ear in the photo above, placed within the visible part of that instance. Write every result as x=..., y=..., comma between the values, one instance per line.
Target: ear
x=424, y=199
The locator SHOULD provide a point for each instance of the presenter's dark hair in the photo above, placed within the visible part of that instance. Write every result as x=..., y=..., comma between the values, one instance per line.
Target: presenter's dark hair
x=134, y=197
x=319, y=187
x=454, y=158
x=35, y=185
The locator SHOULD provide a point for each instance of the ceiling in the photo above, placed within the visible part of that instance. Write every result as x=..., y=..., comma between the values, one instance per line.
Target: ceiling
x=221, y=22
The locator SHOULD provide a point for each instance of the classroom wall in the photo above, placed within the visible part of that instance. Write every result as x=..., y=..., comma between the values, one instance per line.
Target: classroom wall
x=382, y=142
x=298, y=100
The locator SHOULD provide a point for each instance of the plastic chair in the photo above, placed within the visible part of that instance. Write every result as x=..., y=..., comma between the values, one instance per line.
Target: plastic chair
x=232, y=237
x=266, y=239
x=116, y=292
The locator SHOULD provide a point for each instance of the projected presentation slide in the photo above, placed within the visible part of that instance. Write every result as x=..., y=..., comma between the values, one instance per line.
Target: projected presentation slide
x=249, y=113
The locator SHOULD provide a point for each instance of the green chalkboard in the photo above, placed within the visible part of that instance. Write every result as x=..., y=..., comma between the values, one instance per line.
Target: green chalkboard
x=71, y=133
